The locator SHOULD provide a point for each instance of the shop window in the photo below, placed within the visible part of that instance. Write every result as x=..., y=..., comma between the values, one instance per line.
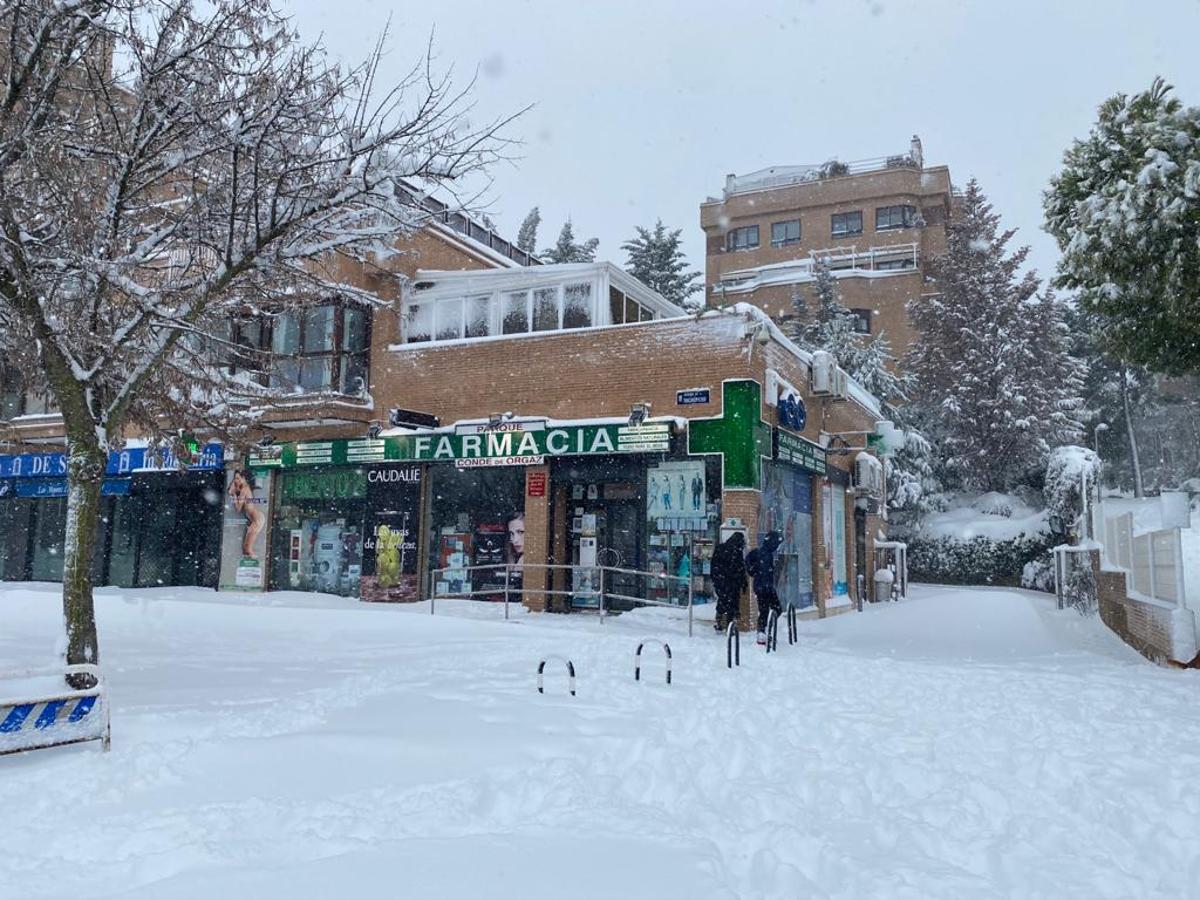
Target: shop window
x=577, y=305
x=889, y=217
x=785, y=233
x=516, y=313
x=744, y=238
x=545, y=309
x=861, y=319
x=842, y=224
x=479, y=316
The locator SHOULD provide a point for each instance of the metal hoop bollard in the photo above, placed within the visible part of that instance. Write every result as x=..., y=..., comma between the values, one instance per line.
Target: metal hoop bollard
x=570, y=672
x=637, y=658
x=773, y=631
x=793, y=632
x=862, y=585
x=733, y=646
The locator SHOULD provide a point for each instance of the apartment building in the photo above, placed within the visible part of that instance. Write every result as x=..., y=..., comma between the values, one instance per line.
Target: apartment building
x=876, y=222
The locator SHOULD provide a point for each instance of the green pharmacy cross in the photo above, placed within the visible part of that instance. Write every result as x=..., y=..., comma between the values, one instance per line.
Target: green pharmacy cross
x=738, y=434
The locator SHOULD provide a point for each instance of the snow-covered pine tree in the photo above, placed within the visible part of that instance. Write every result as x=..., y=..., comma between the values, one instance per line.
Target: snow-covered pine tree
x=566, y=250
x=169, y=167
x=991, y=357
x=527, y=234
x=1125, y=210
x=656, y=259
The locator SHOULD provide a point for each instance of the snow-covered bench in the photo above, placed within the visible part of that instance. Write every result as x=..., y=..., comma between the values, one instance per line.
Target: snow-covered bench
x=37, y=709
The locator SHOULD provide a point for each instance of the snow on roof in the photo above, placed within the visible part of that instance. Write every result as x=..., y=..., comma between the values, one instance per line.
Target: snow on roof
x=772, y=176
x=857, y=392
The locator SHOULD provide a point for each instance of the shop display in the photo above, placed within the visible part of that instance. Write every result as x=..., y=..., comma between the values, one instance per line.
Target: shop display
x=786, y=506
x=478, y=517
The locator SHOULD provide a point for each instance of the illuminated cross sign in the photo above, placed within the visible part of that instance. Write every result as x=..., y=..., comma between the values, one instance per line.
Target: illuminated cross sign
x=738, y=434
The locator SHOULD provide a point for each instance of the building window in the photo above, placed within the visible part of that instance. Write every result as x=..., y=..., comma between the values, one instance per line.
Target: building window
x=890, y=264
x=861, y=320
x=516, y=313
x=889, y=217
x=745, y=238
x=784, y=233
x=545, y=309
x=320, y=349
x=577, y=305
x=842, y=224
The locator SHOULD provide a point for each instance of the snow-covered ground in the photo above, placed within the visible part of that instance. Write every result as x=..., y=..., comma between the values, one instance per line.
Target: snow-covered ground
x=965, y=743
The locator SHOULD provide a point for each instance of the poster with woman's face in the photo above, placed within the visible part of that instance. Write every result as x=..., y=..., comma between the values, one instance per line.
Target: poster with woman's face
x=246, y=508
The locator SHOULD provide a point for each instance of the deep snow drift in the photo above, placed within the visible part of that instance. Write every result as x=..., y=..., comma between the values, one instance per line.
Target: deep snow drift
x=964, y=743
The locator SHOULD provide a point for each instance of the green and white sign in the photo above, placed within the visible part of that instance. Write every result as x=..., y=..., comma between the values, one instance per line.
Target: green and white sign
x=792, y=448
x=739, y=434
x=510, y=445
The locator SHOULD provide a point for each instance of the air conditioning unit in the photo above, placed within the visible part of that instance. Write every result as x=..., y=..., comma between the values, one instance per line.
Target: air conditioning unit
x=868, y=476
x=823, y=372
x=841, y=384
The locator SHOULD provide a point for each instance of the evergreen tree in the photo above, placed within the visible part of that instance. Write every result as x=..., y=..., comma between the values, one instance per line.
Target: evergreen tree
x=568, y=251
x=991, y=359
x=527, y=235
x=656, y=259
x=1125, y=211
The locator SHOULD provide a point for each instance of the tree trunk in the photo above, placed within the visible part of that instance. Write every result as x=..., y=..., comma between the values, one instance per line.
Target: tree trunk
x=86, y=462
x=1138, y=490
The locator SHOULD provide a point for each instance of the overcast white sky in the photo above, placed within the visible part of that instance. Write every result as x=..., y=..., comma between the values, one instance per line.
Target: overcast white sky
x=643, y=107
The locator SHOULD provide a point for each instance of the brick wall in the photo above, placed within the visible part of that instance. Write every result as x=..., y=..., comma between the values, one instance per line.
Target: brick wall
x=1147, y=627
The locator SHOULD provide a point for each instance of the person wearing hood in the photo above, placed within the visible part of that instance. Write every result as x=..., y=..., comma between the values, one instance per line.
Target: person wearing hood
x=761, y=566
x=729, y=577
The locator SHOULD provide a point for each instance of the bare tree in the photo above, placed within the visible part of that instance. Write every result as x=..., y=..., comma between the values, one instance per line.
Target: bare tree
x=164, y=168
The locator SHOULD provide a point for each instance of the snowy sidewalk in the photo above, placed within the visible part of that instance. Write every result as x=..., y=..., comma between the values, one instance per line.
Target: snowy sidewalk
x=963, y=743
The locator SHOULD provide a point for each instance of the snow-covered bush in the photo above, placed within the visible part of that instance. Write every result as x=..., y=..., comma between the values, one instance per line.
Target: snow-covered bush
x=980, y=560
x=1080, y=589
x=1066, y=469
x=1038, y=574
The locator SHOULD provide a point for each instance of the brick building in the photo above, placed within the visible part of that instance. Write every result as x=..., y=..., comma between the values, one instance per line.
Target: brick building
x=530, y=419
x=876, y=221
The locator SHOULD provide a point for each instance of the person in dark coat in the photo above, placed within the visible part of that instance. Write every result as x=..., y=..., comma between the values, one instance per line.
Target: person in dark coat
x=729, y=577
x=761, y=566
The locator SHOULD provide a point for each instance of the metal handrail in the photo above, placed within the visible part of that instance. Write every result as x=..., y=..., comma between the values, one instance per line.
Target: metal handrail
x=600, y=594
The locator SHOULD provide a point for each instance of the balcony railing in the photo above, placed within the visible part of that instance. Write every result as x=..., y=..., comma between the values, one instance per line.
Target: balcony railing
x=895, y=257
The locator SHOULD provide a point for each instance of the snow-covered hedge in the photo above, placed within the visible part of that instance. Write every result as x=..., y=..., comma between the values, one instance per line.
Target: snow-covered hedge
x=978, y=560
x=1066, y=469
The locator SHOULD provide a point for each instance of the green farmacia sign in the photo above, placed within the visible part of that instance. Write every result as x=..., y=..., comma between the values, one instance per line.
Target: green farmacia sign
x=516, y=444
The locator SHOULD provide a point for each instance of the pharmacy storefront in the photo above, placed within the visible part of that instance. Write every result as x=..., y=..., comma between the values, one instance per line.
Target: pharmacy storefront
x=471, y=488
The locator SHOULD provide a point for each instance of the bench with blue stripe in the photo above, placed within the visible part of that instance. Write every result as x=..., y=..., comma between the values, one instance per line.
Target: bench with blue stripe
x=57, y=717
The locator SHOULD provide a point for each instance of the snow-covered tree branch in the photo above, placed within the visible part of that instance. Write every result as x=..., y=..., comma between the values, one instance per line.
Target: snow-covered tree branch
x=166, y=167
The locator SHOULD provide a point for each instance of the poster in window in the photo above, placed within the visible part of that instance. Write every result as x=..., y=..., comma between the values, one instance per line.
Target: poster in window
x=675, y=489
x=244, y=529
x=389, y=558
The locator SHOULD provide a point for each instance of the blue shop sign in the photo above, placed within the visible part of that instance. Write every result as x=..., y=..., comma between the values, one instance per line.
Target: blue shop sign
x=691, y=397
x=57, y=487
x=792, y=412
x=120, y=462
